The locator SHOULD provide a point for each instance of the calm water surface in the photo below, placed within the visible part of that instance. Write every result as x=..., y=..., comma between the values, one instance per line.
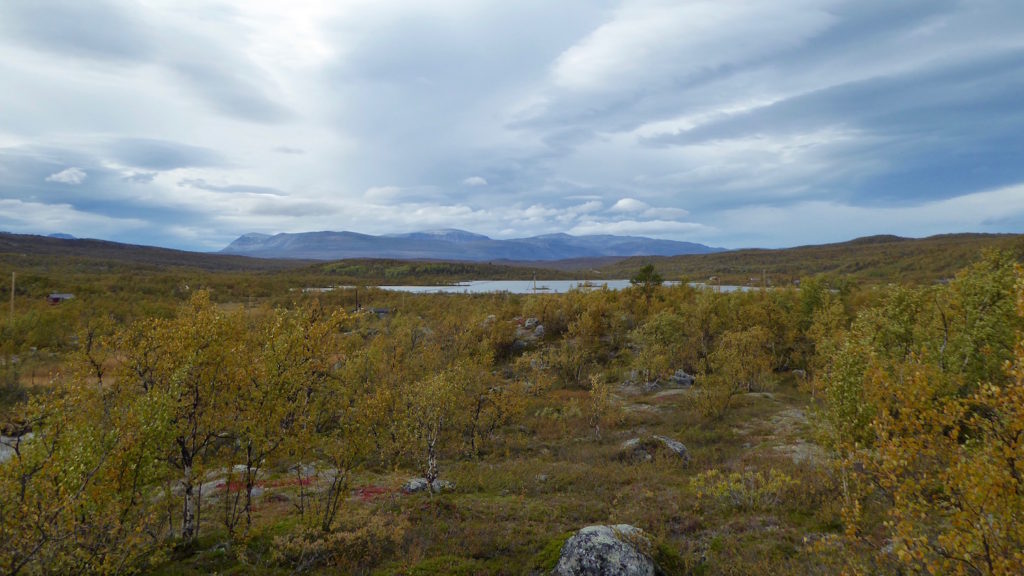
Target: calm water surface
x=529, y=287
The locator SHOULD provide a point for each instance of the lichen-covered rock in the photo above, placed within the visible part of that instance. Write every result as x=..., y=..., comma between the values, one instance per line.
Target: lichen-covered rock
x=635, y=450
x=681, y=379
x=620, y=550
x=642, y=449
x=677, y=448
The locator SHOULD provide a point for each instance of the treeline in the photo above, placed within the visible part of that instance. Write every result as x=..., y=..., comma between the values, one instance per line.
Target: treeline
x=919, y=393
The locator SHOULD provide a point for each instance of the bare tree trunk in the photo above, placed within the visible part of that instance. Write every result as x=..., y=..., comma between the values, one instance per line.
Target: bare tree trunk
x=250, y=482
x=188, y=527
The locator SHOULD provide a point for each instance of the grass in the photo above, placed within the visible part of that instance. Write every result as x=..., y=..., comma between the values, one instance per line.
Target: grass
x=536, y=481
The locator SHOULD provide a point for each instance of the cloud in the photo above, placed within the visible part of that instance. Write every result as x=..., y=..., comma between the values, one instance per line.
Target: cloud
x=156, y=154
x=73, y=176
x=587, y=207
x=382, y=193
x=231, y=188
x=677, y=40
x=278, y=207
x=703, y=120
x=27, y=217
x=230, y=90
x=140, y=177
x=629, y=205
x=635, y=208
x=639, y=228
x=829, y=221
x=97, y=29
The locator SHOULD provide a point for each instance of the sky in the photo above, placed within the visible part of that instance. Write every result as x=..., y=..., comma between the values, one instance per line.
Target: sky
x=732, y=123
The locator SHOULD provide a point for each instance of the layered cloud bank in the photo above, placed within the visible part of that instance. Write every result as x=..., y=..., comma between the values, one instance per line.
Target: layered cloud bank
x=757, y=123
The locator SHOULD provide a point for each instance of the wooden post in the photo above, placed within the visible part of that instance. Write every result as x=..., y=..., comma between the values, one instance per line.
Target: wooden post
x=11, y=319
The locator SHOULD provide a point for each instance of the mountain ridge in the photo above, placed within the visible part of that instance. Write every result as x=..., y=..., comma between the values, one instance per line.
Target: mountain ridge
x=456, y=245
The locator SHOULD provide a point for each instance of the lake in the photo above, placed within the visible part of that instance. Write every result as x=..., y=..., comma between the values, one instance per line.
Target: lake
x=528, y=286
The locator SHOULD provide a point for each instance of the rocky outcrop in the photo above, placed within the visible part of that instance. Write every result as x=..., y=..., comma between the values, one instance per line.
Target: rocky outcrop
x=634, y=385
x=528, y=332
x=529, y=329
x=676, y=447
x=643, y=449
x=620, y=550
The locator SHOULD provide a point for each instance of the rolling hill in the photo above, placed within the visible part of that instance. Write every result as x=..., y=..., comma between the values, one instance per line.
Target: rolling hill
x=872, y=259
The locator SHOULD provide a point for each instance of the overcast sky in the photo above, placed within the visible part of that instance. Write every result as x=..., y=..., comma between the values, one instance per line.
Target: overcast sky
x=732, y=123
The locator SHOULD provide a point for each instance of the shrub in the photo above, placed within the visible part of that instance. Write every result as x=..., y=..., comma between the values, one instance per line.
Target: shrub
x=748, y=491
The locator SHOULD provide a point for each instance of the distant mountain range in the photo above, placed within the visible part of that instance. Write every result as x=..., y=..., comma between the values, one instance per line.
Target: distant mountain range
x=454, y=245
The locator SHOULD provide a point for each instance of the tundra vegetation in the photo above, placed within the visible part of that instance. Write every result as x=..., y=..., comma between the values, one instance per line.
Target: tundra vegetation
x=183, y=426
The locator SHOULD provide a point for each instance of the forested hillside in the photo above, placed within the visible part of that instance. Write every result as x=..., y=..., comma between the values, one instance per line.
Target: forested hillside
x=874, y=259
x=154, y=425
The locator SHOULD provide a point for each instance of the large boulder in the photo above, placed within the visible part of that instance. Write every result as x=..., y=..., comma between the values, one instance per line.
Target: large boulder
x=676, y=447
x=642, y=449
x=619, y=550
x=635, y=450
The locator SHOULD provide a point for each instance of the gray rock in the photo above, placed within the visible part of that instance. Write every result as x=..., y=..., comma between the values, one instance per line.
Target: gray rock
x=650, y=387
x=630, y=444
x=304, y=470
x=681, y=379
x=415, y=485
x=619, y=550
x=529, y=323
x=635, y=450
x=643, y=449
x=677, y=448
x=538, y=332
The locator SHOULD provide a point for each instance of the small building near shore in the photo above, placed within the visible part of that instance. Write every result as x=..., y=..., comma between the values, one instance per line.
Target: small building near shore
x=57, y=298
